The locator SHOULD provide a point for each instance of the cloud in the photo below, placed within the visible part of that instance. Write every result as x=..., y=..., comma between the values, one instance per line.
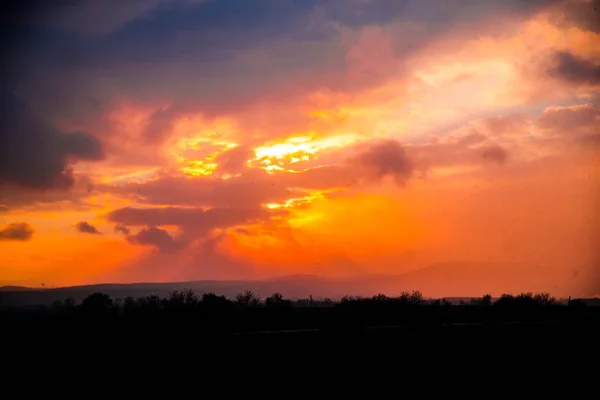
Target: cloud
x=85, y=227
x=194, y=222
x=573, y=69
x=570, y=120
x=583, y=14
x=156, y=237
x=20, y=231
x=234, y=160
x=386, y=158
x=505, y=125
x=89, y=17
x=218, y=57
x=468, y=150
x=494, y=154
x=159, y=125
x=34, y=154
x=19, y=197
x=122, y=229
x=251, y=189
x=196, y=219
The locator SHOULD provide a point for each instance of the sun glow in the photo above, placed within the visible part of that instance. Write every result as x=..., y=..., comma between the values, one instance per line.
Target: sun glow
x=300, y=201
x=295, y=150
x=197, y=156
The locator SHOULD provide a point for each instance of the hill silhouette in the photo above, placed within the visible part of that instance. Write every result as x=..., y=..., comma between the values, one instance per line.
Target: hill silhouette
x=458, y=280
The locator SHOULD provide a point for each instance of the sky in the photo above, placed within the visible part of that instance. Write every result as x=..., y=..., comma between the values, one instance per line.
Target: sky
x=172, y=140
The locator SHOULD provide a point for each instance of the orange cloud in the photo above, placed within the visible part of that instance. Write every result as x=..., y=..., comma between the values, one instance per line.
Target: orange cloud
x=375, y=142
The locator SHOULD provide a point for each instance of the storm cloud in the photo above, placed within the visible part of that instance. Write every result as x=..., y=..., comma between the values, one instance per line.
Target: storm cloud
x=34, y=154
x=86, y=227
x=19, y=231
x=574, y=69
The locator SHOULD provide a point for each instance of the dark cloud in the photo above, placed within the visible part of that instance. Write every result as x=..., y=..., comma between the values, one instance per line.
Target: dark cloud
x=87, y=17
x=34, y=154
x=193, y=219
x=584, y=14
x=3, y=209
x=571, y=68
x=21, y=197
x=122, y=229
x=85, y=227
x=20, y=231
x=156, y=237
x=494, y=154
x=212, y=57
x=386, y=158
x=194, y=222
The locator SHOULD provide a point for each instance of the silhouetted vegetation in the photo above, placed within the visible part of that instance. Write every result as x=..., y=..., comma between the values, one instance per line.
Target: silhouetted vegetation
x=188, y=314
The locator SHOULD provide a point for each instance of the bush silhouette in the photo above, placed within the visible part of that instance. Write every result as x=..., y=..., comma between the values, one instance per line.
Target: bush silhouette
x=97, y=303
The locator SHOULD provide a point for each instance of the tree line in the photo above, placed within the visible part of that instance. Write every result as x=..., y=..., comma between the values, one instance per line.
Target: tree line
x=190, y=313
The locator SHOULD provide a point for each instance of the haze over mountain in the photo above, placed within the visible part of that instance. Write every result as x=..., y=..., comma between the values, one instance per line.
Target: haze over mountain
x=443, y=280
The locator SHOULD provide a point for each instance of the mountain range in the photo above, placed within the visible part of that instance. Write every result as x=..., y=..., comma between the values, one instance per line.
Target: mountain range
x=440, y=280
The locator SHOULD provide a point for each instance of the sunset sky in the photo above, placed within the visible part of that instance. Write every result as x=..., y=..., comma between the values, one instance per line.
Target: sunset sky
x=171, y=140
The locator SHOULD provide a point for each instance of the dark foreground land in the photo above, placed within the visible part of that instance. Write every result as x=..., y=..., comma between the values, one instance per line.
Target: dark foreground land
x=184, y=317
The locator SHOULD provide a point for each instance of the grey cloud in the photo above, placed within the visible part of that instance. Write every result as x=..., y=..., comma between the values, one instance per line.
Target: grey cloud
x=122, y=229
x=19, y=231
x=194, y=222
x=15, y=196
x=571, y=68
x=584, y=14
x=193, y=219
x=494, y=154
x=89, y=17
x=156, y=237
x=85, y=227
x=386, y=158
x=34, y=154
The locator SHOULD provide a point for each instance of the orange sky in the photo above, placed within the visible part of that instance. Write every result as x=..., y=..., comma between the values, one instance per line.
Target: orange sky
x=173, y=141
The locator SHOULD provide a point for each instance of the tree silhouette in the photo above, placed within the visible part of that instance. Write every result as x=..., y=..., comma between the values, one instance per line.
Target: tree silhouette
x=544, y=299
x=486, y=300
x=97, y=304
x=416, y=298
x=247, y=299
x=276, y=300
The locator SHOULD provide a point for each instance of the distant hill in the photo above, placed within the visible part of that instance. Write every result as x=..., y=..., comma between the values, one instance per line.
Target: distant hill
x=16, y=288
x=457, y=280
